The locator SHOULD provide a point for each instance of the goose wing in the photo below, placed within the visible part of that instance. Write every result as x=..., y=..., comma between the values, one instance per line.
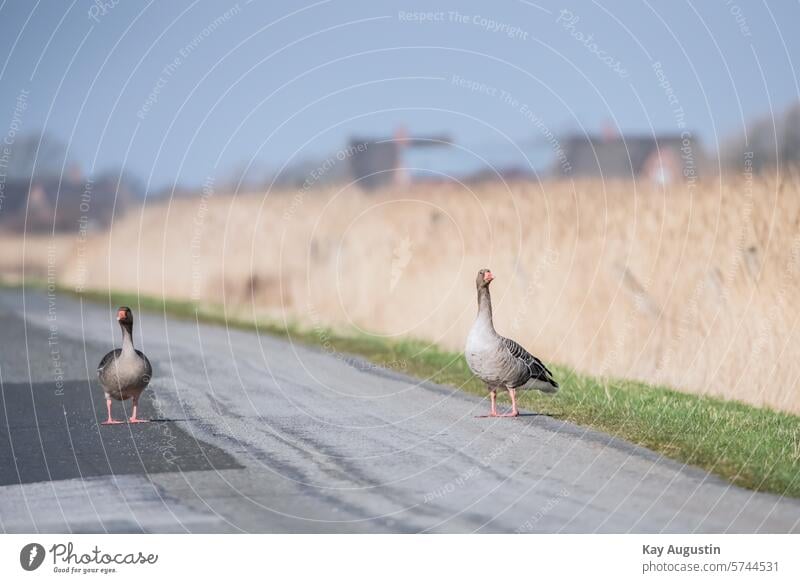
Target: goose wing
x=148, y=368
x=108, y=358
x=535, y=367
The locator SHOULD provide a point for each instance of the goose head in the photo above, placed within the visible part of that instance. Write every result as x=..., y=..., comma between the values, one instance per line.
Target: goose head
x=484, y=278
x=124, y=316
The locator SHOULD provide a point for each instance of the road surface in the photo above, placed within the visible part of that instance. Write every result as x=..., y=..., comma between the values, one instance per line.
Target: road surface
x=256, y=434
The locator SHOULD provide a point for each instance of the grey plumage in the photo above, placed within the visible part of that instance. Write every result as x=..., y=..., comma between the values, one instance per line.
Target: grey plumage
x=122, y=375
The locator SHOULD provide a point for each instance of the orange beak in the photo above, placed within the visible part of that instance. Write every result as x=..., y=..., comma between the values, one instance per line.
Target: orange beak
x=488, y=276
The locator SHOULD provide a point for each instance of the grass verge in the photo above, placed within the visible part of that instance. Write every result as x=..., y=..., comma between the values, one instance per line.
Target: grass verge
x=753, y=447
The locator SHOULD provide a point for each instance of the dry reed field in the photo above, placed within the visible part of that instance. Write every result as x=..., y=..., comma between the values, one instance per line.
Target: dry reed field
x=692, y=287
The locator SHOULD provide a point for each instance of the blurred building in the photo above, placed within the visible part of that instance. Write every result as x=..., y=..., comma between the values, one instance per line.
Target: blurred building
x=660, y=159
x=71, y=204
x=375, y=163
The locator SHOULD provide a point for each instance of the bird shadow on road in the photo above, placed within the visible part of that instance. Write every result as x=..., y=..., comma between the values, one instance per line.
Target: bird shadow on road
x=550, y=415
x=187, y=419
x=171, y=420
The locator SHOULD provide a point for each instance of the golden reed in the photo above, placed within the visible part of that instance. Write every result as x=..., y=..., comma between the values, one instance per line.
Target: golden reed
x=696, y=288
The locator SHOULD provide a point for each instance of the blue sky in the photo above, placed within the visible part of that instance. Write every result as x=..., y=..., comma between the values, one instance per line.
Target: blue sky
x=179, y=91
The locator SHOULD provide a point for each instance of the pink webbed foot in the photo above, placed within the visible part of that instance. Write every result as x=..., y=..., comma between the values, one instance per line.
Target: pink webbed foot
x=137, y=420
x=110, y=420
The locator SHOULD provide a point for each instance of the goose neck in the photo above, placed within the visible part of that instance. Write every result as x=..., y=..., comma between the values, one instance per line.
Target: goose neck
x=485, y=306
x=127, y=338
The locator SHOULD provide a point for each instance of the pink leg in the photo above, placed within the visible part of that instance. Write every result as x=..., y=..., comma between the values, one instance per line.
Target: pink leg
x=493, y=398
x=110, y=420
x=514, y=412
x=134, y=418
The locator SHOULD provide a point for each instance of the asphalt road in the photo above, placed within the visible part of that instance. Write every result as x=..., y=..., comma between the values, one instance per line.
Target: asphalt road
x=256, y=434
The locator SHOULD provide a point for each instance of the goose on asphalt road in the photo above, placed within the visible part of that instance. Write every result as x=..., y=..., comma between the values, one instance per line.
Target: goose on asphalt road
x=500, y=362
x=125, y=372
